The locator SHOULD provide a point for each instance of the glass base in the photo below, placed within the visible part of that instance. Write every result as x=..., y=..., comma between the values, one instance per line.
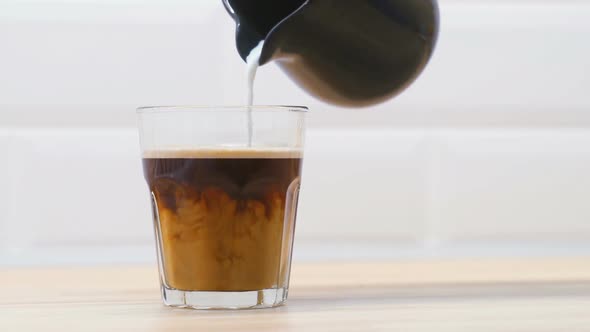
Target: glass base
x=266, y=298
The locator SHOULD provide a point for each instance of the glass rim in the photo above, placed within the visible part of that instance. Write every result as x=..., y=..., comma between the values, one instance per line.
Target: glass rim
x=213, y=108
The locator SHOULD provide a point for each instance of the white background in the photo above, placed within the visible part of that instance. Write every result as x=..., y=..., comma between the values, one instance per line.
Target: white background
x=487, y=154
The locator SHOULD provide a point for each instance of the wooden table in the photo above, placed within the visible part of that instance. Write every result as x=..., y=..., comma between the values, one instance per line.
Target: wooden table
x=483, y=295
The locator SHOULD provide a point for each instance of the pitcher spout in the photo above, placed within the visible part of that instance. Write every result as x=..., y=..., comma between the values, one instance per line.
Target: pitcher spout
x=256, y=19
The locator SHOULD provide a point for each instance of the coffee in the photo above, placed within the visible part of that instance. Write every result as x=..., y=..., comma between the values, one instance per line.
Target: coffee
x=224, y=218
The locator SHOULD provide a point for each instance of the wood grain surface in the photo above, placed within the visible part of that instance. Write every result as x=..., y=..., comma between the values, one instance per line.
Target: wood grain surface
x=482, y=295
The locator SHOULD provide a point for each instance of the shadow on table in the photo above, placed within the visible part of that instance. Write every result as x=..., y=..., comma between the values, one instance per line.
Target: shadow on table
x=435, y=293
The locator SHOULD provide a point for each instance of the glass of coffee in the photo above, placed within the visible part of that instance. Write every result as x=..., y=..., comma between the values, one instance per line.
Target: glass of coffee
x=224, y=185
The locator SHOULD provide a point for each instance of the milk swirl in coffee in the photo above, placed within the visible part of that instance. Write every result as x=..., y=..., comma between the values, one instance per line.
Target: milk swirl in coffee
x=224, y=216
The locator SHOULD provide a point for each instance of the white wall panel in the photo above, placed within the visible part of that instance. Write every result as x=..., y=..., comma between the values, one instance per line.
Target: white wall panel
x=405, y=187
x=521, y=57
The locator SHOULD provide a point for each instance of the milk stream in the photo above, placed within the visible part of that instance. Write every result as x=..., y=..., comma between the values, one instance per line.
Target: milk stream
x=252, y=61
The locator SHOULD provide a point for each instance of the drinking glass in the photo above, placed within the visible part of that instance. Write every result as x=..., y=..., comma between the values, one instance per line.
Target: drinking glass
x=224, y=185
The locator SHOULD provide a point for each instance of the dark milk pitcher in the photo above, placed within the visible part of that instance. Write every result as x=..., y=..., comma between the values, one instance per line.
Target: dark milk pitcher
x=351, y=53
